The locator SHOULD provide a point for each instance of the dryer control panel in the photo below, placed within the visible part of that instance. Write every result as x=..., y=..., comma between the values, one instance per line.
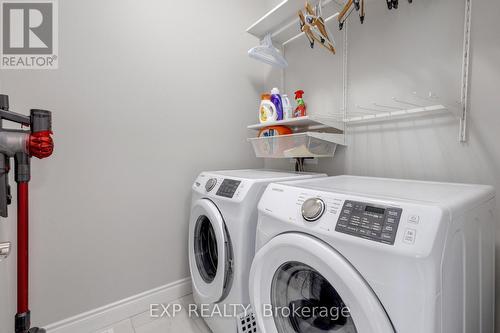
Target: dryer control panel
x=215, y=186
x=228, y=188
x=373, y=222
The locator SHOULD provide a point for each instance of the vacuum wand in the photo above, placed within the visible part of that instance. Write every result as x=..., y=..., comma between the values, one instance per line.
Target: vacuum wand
x=22, y=179
x=22, y=145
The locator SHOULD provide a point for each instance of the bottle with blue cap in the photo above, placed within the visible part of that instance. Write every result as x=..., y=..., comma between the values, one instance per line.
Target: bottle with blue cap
x=278, y=103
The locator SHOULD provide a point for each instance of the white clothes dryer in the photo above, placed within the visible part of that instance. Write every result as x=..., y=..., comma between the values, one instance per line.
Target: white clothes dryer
x=222, y=229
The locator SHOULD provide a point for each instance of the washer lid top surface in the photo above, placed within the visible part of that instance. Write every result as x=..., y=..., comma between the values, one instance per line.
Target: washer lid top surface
x=456, y=197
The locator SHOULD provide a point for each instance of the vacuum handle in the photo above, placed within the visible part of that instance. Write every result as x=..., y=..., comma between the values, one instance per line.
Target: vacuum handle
x=15, y=117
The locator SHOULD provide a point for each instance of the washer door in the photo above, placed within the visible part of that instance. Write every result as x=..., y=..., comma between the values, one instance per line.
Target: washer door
x=210, y=254
x=300, y=284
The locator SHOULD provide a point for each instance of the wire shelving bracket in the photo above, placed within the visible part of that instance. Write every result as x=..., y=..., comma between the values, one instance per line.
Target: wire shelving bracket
x=284, y=32
x=466, y=71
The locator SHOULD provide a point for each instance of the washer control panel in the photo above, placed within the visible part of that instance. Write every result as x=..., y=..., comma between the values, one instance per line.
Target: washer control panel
x=228, y=188
x=373, y=222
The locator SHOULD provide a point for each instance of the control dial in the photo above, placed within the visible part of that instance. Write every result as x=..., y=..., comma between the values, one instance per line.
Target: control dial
x=209, y=186
x=313, y=209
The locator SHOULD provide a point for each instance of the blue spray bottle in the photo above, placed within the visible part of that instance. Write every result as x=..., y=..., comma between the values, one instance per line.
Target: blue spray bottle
x=276, y=100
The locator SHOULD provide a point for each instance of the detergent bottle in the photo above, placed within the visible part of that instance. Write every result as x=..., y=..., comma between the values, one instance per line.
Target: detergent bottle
x=301, y=109
x=267, y=110
x=276, y=99
x=287, y=107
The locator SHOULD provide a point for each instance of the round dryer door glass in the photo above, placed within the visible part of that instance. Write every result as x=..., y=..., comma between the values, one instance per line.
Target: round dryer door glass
x=305, y=302
x=205, y=249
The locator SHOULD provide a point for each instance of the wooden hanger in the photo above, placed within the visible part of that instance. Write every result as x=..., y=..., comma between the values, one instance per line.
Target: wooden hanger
x=359, y=5
x=313, y=25
x=362, y=11
x=304, y=28
x=344, y=13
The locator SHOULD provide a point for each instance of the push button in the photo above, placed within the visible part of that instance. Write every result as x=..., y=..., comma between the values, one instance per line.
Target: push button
x=352, y=229
x=414, y=219
x=387, y=237
x=388, y=228
x=363, y=231
x=409, y=236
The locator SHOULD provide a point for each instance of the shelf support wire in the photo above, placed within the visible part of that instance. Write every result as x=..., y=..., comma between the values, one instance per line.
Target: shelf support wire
x=388, y=106
x=466, y=71
x=345, y=82
x=366, y=108
x=407, y=103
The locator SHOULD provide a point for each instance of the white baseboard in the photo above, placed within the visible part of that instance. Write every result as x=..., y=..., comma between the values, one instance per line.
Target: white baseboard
x=107, y=315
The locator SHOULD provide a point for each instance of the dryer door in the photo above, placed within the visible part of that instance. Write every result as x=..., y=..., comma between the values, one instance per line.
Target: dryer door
x=210, y=253
x=300, y=284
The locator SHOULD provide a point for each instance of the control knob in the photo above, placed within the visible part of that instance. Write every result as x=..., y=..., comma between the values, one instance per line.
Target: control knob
x=313, y=209
x=210, y=184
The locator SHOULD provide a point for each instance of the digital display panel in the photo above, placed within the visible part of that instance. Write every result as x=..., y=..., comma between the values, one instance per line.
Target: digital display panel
x=376, y=210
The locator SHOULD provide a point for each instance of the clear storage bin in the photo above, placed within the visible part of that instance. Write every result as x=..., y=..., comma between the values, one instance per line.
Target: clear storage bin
x=308, y=144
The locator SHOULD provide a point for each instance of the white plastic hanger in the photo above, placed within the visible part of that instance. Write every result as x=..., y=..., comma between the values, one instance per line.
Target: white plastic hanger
x=267, y=53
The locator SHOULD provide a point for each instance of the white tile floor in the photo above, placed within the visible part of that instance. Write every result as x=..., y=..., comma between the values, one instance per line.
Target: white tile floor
x=144, y=323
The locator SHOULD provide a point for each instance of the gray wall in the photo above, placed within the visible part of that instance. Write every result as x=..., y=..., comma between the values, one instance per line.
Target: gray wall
x=148, y=94
x=415, y=48
x=143, y=102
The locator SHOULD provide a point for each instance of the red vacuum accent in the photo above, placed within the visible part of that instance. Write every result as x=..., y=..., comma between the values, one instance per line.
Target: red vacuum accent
x=22, y=243
x=37, y=143
x=40, y=144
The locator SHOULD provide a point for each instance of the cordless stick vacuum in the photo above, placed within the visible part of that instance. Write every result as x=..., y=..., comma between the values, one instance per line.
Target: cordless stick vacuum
x=22, y=145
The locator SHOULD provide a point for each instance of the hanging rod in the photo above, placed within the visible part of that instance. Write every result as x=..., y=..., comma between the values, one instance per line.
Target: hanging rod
x=387, y=115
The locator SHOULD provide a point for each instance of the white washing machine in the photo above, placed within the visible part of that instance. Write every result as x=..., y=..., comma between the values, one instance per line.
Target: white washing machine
x=381, y=255
x=222, y=231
